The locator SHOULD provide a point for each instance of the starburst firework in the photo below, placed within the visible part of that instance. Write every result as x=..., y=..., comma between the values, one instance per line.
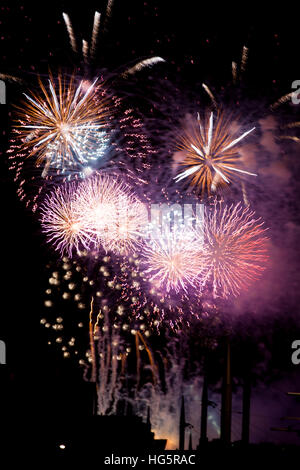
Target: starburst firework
x=212, y=154
x=63, y=127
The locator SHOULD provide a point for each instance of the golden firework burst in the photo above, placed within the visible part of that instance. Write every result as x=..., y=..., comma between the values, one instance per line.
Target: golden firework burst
x=211, y=153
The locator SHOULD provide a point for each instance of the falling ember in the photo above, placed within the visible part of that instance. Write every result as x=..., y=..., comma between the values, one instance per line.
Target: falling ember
x=171, y=260
x=235, y=249
x=212, y=154
x=63, y=127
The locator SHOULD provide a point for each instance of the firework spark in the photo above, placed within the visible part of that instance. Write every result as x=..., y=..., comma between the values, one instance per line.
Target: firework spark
x=171, y=260
x=211, y=154
x=63, y=127
x=235, y=249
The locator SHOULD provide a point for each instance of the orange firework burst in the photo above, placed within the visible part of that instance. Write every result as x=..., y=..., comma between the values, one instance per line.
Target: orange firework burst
x=211, y=154
x=235, y=249
x=62, y=125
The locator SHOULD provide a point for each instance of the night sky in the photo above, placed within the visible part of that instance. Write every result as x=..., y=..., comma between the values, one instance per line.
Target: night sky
x=198, y=43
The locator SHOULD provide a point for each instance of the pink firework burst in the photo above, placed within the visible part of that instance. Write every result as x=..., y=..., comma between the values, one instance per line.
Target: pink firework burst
x=101, y=211
x=172, y=261
x=62, y=223
x=235, y=249
x=112, y=213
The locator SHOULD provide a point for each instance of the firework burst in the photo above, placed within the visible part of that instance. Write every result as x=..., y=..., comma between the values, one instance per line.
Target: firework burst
x=171, y=260
x=235, y=249
x=212, y=154
x=112, y=212
x=99, y=212
x=63, y=127
x=62, y=222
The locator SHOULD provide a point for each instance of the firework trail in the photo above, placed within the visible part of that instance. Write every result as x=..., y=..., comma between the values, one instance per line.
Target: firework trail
x=108, y=13
x=211, y=95
x=234, y=72
x=92, y=343
x=244, y=59
x=141, y=65
x=140, y=345
x=95, y=33
x=212, y=156
x=70, y=31
x=85, y=50
x=282, y=100
x=90, y=50
x=235, y=249
x=109, y=366
x=292, y=125
x=10, y=78
x=243, y=66
x=114, y=352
